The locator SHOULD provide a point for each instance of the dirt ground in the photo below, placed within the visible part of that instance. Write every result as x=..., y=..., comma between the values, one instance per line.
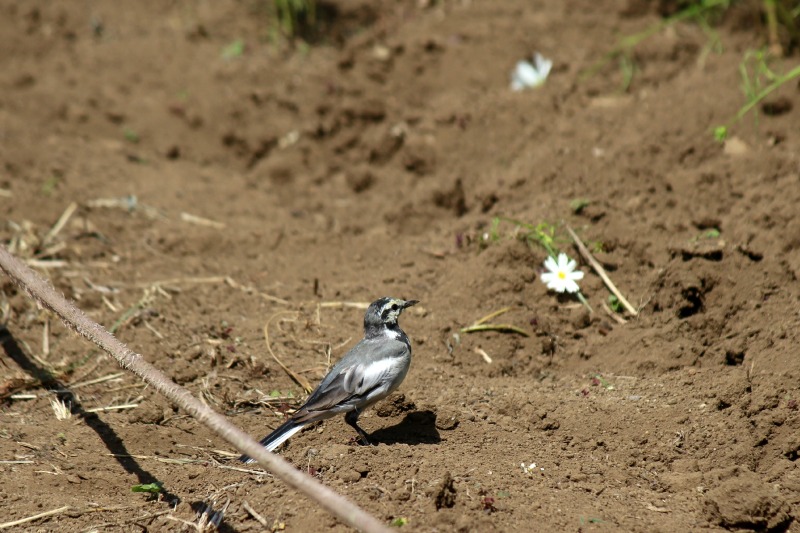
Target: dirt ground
x=225, y=181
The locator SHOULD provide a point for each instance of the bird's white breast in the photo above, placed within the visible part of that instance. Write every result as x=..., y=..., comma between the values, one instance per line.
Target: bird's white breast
x=391, y=334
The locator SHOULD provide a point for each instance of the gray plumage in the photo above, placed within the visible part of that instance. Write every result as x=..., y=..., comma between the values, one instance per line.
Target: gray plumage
x=366, y=374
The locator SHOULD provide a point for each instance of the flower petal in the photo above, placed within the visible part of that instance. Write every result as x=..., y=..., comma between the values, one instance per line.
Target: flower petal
x=543, y=65
x=577, y=275
x=528, y=74
x=563, y=261
x=549, y=277
x=571, y=265
x=571, y=286
x=550, y=264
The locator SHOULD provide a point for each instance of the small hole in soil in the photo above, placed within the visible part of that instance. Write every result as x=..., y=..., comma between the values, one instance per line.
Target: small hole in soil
x=734, y=358
x=694, y=303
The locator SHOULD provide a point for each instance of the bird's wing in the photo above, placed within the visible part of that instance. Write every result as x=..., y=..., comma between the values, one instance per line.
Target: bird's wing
x=352, y=379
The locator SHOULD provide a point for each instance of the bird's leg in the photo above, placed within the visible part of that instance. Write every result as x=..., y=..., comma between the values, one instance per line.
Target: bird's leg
x=352, y=419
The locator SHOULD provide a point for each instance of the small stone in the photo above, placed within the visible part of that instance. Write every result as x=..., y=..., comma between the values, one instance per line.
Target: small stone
x=402, y=494
x=735, y=147
x=146, y=413
x=349, y=476
x=447, y=419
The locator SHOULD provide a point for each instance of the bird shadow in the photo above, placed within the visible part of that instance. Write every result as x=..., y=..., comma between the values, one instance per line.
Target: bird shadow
x=418, y=427
x=107, y=435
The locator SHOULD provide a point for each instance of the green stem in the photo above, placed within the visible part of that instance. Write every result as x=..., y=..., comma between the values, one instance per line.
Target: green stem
x=630, y=41
x=580, y=296
x=794, y=73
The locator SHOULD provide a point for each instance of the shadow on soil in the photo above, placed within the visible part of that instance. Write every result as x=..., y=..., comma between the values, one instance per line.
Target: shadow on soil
x=110, y=439
x=418, y=427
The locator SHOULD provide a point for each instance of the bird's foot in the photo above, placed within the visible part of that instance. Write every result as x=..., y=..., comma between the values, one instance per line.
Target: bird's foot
x=361, y=440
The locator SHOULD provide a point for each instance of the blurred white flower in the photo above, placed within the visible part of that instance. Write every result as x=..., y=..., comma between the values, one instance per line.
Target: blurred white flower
x=527, y=75
x=561, y=275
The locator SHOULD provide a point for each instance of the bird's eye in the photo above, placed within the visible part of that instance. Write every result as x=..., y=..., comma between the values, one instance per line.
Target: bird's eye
x=394, y=307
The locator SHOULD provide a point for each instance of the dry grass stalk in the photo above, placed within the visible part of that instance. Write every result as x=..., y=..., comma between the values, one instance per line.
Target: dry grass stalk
x=55, y=263
x=23, y=396
x=600, y=271
x=480, y=325
x=200, y=221
x=483, y=354
x=59, y=225
x=6, y=525
x=252, y=512
x=300, y=380
x=618, y=319
x=61, y=409
x=46, y=338
x=112, y=408
x=103, y=379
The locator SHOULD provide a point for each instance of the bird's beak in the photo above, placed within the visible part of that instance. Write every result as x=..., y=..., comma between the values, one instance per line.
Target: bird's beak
x=409, y=303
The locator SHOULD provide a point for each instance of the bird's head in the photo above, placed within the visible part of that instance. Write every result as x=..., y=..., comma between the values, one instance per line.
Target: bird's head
x=384, y=312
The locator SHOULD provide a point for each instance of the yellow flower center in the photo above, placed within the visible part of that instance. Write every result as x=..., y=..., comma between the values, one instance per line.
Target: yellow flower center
x=562, y=274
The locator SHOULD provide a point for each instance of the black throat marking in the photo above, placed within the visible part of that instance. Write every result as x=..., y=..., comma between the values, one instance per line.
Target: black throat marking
x=392, y=331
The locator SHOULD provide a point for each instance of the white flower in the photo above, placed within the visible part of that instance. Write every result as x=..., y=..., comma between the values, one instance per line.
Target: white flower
x=527, y=469
x=527, y=75
x=561, y=275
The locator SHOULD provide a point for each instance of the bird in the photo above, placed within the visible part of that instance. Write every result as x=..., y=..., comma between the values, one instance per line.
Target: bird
x=366, y=374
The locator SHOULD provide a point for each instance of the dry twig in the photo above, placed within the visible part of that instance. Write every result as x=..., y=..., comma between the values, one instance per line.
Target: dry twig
x=482, y=353
x=59, y=225
x=618, y=319
x=6, y=525
x=300, y=380
x=252, y=512
x=480, y=325
x=600, y=271
x=200, y=221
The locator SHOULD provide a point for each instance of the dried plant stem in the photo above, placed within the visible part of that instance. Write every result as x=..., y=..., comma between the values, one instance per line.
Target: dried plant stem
x=252, y=512
x=618, y=319
x=43, y=293
x=300, y=380
x=481, y=325
x=6, y=525
x=600, y=271
x=491, y=316
x=59, y=225
x=502, y=328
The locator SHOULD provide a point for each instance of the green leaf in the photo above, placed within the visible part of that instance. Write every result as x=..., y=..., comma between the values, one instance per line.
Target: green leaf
x=614, y=303
x=152, y=488
x=578, y=204
x=235, y=49
x=400, y=521
x=720, y=133
x=49, y=186
x=130, y=135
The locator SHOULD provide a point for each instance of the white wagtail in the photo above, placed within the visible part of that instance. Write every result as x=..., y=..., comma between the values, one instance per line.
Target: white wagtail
x=368, y=373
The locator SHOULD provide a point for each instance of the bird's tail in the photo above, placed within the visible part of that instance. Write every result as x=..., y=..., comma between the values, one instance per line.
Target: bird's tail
x=277, y=437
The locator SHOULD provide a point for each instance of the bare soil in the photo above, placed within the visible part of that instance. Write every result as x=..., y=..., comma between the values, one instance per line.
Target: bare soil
x=219, y=193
